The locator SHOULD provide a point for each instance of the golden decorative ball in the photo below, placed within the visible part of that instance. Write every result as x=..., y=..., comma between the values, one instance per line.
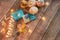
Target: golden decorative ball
x=33, y=10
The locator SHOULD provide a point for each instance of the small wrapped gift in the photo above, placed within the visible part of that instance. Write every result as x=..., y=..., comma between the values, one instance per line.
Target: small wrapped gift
x=26, y=18
x=18, y=15
x=29, y=17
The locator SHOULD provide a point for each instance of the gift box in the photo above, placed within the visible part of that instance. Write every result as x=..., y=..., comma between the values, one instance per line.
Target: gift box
x=26, y=18
x=32, y=17
x=29, y=17
x=18, y=15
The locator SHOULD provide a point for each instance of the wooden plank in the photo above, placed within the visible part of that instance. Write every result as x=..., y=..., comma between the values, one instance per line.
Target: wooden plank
x=41, y=27
x=58, y=36
x=5, y=6
x=53, y=30
x=32, y=25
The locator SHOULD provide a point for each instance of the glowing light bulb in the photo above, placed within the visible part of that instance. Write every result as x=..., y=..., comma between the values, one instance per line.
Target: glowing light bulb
x=4, y=23
x=10, y=21
x=10, y=28
x=47, y=3
x=3, y=31
x=43, y=18
x=12, y=10
x=9, y=31
x=10, y=25
x=30, y=31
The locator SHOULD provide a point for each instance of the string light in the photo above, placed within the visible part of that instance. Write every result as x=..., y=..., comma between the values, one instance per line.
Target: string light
x=7, y=36
x=12, y=10
x=43, y=18
x=9, y=31
x=47, y=3
x=11, y=25
x=10, y=28
x=3, y=23
x=10, y=21
x=3, y=30
x=30, y=31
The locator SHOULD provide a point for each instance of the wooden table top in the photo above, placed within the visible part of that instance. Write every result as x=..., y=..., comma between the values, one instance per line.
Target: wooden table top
x=42, y=30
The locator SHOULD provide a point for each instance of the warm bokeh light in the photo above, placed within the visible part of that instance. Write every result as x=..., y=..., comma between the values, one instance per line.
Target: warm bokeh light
x=12, y=10
x=3, y=30
x=30, y=31
x=4, y=24
x=7, y=36
x=10, y=28
x=43, y=18
x=9, y=31
x=47, y=3
x=12, y=20
x=9, y=23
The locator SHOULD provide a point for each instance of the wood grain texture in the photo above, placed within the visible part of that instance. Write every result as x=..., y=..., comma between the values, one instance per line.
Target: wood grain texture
x=53, y=30
x=41, y=27
x=41, y=30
